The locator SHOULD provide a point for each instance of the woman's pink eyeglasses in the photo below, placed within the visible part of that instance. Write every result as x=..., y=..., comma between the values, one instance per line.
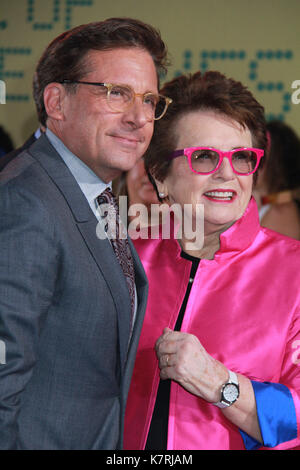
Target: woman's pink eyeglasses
x=207, y=160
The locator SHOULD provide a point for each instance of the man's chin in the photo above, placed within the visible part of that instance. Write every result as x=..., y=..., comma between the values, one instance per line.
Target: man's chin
x=128, y=161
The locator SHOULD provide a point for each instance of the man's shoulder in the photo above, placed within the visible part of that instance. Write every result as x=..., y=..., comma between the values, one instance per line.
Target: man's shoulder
x=20, y=165
x=24, y=181
x=26, y=164
x=6, y=159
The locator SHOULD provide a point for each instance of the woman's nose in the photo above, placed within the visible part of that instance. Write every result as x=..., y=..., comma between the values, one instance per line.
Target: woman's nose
x=225, y=171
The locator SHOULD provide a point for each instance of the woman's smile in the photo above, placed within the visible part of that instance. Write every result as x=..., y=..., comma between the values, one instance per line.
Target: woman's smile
x=221, y=195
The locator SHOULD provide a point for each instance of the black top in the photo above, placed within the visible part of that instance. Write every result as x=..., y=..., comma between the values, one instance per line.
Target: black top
x=158, y=432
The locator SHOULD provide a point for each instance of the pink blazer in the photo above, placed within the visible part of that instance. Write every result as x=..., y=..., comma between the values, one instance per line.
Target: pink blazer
x=244, y=307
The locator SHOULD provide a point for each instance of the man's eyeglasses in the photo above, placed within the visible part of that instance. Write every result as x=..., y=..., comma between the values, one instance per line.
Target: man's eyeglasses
x=120, y=98
x=207, y=160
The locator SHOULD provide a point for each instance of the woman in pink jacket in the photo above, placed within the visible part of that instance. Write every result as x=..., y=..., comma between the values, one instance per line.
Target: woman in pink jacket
x=218, y=365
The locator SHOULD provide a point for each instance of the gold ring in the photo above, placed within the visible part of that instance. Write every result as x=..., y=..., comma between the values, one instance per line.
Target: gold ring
x=168, y=356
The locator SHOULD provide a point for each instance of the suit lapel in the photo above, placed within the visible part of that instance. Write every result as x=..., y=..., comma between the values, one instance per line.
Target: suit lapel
x=86, y=221
x=142, y=292
x=108, y=264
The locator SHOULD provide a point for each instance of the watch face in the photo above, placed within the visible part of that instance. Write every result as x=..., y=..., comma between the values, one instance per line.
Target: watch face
x=230, y=392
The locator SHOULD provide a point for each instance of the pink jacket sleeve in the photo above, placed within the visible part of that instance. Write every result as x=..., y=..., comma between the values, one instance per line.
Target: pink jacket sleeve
x=278, y=404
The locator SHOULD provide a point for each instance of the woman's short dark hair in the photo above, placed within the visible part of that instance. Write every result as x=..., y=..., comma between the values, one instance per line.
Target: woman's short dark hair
x=282, y=167
x=202, y=92
x=65, y=55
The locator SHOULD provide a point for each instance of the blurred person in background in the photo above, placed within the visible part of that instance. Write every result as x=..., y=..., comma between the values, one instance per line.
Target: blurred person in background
x=135, y=184
x=33, y=137
x=14, y=153
x=6, y=143
x=278, y=184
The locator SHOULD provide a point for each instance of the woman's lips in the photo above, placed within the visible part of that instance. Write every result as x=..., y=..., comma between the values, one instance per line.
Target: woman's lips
x=221, y=195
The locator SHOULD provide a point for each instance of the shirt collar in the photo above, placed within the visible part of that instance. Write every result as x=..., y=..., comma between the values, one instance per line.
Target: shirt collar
x=242, y=233
x=90, y=184
x=37, y=133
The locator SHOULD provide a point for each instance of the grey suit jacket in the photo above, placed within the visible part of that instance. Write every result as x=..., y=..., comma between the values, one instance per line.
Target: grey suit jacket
x=11, y=155
x=64, y=313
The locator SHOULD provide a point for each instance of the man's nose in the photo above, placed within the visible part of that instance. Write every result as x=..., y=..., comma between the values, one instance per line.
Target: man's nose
x=137, y=113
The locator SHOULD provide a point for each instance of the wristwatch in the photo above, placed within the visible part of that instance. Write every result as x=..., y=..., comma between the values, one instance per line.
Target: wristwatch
x=230, y=391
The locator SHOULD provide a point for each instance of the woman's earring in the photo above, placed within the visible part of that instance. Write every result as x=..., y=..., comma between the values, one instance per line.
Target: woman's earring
x=161, y=195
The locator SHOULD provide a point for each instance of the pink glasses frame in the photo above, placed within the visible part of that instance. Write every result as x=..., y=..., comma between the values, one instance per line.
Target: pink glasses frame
x=189, y=150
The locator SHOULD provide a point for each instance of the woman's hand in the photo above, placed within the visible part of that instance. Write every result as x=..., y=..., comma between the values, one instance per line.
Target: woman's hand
x=182, y=358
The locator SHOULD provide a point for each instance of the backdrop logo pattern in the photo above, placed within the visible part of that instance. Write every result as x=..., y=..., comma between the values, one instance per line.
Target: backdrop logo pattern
x=269, y=73
x=206, y=60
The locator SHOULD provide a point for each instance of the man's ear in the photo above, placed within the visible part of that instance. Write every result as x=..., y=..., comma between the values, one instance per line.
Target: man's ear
x=54, y=95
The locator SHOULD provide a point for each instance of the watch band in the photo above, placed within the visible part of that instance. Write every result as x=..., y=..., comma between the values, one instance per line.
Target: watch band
x=232, y=380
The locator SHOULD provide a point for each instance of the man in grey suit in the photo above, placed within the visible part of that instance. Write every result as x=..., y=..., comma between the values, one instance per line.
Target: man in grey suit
x=67, y=320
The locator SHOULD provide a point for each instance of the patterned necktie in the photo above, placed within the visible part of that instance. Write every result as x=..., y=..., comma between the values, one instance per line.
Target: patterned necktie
x=121, y=247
